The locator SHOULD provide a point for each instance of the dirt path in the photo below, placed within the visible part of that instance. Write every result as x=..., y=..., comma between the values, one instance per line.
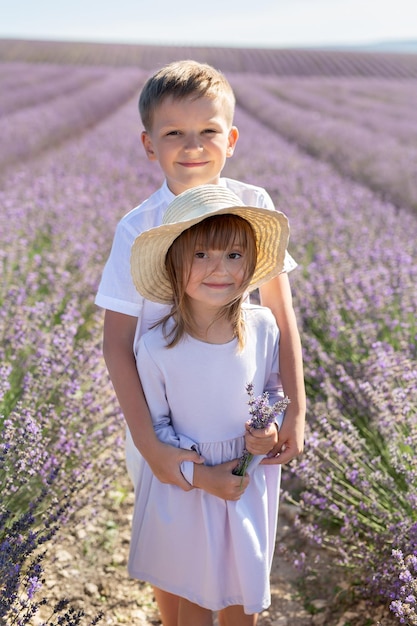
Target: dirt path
x=89, y=569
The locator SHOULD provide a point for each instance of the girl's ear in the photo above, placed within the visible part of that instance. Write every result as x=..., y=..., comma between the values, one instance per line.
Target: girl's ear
x=232, y=139
x=147, y=144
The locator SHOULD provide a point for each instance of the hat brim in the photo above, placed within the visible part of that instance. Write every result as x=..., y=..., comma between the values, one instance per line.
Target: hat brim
x=150, y=248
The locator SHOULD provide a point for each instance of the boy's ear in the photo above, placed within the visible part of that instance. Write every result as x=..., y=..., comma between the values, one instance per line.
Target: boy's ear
x=147, y=144
x=233, y=137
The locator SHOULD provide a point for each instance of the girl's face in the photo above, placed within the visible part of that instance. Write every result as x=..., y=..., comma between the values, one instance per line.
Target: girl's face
x=213, y=261
x=216, y=276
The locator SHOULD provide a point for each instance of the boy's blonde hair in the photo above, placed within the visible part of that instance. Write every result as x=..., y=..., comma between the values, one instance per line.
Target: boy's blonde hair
x=182, y=79
x=218, y=232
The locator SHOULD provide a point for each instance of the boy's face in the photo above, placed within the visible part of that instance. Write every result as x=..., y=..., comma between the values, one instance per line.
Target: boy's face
x=191, y=139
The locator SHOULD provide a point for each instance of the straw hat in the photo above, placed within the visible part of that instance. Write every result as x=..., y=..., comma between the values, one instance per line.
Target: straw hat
x=149, y=250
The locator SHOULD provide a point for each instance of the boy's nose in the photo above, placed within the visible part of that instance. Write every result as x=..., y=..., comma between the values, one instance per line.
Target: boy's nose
x=193, y=143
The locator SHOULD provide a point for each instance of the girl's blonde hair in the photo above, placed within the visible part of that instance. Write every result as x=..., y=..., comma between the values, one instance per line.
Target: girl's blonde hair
x=218, y=232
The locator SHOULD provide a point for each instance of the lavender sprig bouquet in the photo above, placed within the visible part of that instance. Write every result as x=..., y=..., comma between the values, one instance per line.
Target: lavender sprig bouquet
x=263, y=414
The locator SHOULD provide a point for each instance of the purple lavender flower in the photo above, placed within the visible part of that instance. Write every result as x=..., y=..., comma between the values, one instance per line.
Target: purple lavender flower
x=263, y=414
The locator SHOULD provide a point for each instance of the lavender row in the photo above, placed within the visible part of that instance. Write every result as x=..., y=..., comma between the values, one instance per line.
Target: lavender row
x=361, y=473
x=385, y=94
x=28, y=131
x=339, y=224
x=15, y=75
x=373, y=158
x=341, y=99
x=61, y=433
x=282, y=62
x=35, y=88
x=386, y=91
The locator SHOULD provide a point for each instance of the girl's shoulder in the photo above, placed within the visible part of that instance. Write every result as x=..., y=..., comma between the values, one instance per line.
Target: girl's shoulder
x=260, y=326
x=257, y=315
x=153, y=339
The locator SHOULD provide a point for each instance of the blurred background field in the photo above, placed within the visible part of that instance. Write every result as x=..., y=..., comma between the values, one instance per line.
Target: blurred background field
x=332, y=135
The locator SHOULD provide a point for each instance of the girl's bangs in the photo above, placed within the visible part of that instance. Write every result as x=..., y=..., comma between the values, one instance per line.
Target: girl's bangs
x=221, y=232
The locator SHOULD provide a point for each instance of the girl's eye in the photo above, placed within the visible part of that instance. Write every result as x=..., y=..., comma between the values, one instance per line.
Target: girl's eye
x=235, y=255
x=200, y=255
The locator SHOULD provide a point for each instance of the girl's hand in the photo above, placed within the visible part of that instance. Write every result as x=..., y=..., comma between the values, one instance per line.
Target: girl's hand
x=219, y=480
x=261, y=440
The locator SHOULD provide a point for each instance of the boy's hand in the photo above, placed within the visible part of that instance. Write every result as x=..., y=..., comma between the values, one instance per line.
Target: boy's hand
x=291, y=441
x=166, y=464
x=261, y=440
x=219, y=481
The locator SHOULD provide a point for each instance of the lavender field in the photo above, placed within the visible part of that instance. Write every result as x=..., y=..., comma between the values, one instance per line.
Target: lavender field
x=333, y=138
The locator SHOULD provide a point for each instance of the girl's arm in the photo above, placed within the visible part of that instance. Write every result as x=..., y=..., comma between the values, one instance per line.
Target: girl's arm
x=262, y=440
x=276, y=295
x=164, y=460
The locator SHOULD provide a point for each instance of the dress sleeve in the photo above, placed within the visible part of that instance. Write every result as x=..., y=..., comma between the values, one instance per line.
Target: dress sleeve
x=153, y=385
x=273, y=384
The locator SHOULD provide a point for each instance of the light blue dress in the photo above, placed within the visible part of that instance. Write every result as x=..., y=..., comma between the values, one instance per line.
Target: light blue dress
x=214, y=552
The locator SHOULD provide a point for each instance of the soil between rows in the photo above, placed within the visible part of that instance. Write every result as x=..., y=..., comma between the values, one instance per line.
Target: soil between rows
x=88, y=566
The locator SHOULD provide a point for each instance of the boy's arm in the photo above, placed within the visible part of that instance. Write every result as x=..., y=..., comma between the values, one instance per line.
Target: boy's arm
x=219, y=480
x=164, y=460
x=276, y=294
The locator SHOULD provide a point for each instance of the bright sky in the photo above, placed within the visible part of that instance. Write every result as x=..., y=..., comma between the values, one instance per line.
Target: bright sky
x=245, y=23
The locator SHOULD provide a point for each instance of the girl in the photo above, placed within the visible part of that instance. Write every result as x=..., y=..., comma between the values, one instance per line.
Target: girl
x=210, y=548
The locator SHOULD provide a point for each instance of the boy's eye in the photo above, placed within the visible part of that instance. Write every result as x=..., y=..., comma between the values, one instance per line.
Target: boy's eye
x=209, y=131
x=173, y=133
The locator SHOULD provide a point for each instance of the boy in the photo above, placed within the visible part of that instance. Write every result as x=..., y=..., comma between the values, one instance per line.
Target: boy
x=187, y=112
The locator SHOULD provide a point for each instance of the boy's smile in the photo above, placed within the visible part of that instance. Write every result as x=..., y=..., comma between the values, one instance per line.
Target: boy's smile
x=191, y=139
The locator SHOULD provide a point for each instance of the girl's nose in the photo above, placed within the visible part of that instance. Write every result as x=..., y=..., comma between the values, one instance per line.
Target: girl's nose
x=218, y=265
